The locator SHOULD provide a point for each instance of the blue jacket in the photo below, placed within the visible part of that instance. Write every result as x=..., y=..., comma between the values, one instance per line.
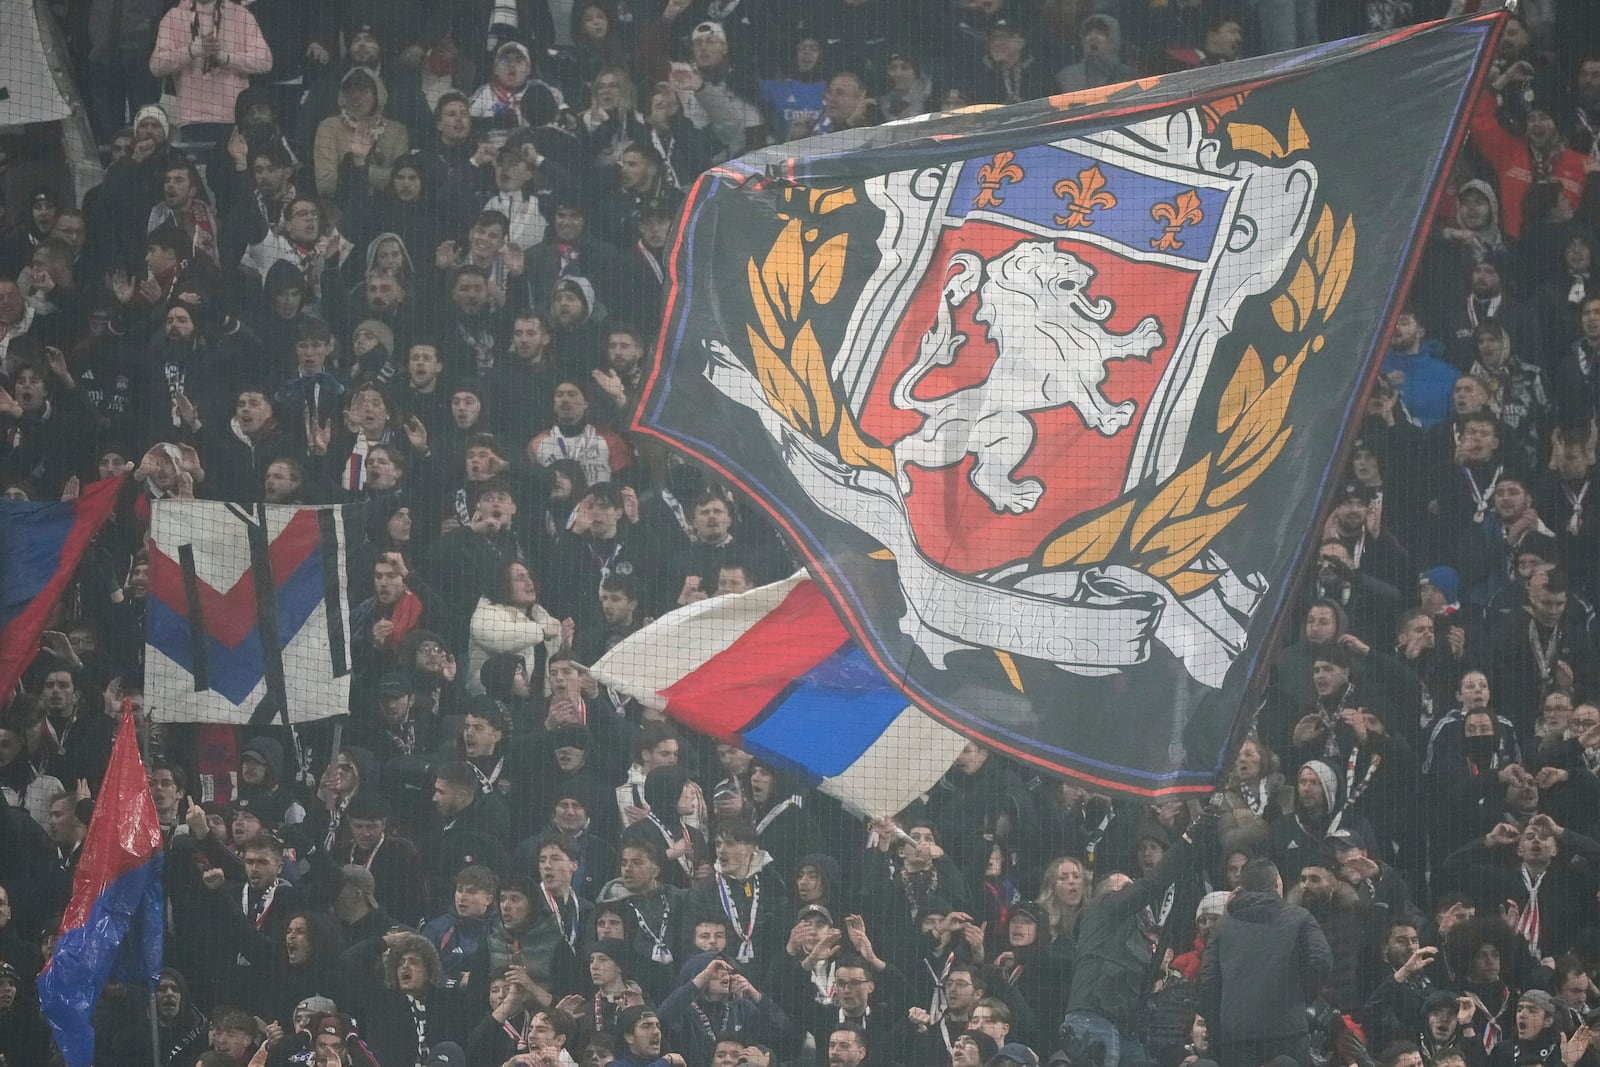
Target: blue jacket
x=1429, y=381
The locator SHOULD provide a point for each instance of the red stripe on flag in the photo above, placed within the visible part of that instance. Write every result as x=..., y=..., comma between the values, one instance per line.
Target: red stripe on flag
x=20, y=642
x=124, y=832
x=736, y=685
x=231, y=616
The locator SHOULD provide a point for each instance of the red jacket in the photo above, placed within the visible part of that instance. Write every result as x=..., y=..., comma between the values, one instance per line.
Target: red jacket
x=1512, y=160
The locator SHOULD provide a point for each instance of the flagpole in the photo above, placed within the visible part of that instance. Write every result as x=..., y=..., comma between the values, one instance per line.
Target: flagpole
x=155, y=1027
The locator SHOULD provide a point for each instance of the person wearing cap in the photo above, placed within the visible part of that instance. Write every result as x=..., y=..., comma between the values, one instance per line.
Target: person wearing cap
x=1539, y=1040
x=639, y=1028
x=17, y=249
x=1013, y=1053
x=24, y=1034
x=725, y=90
x=1266, y=960
x=356, y=905
x=1362, y=866
x=645, y=265
x=1375, y=551
x=497, y=104
x=1010, y=72
x=713, y=989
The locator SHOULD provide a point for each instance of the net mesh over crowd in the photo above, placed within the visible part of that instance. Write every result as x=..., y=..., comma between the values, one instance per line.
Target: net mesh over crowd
x=798, y=532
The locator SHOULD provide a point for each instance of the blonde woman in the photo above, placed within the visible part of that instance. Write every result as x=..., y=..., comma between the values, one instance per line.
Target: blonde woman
x=1064, y=891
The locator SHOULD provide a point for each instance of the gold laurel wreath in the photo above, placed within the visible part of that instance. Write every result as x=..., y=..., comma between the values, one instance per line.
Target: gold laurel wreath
x=800, y=273
x=1164, y=529
x=1160, y=529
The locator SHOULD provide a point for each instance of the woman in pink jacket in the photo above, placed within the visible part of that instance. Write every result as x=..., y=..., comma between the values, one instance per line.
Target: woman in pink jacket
x=209, y=48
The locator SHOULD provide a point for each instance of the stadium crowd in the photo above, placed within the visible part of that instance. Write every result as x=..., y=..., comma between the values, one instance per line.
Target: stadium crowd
x=412, y=255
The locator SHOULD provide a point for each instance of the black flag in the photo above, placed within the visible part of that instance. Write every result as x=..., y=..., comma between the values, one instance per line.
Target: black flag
x=1050, y=396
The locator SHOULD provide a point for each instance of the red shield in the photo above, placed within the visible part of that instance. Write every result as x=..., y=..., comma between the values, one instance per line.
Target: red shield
x=1080, y=468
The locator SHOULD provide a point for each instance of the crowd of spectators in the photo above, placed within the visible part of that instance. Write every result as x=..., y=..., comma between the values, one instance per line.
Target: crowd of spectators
x=413, y=255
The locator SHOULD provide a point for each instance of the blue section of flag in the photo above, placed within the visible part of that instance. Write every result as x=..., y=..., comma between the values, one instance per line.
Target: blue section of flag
x=235, y=672
x=88, y=956
x=829, y=717
x=31, y=538
x=1129, y=221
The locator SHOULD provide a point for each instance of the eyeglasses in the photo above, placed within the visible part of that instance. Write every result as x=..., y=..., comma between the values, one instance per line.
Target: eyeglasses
x=853, y=983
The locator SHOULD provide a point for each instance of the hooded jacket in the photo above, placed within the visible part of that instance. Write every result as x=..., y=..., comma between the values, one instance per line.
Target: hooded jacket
x=188, y=1034
x=330, y=154
x=1264, y=963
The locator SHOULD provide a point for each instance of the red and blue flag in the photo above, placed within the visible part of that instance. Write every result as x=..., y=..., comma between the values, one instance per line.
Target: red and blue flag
x=40, y=547
x=112, y=928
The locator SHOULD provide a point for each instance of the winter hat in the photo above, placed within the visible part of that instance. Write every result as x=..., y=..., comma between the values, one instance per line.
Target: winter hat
x=1215, y=903
x=153, y=111
x=1541, y=1000
x=1106, y=24
x=1014, y=1053
x=579, y=285
x=1445, y=580
x=987, y=1046
x=382, y=332
x=613, y=949
x=1325, y=775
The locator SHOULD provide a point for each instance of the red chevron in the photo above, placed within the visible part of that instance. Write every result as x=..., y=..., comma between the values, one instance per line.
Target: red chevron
x=231, y=616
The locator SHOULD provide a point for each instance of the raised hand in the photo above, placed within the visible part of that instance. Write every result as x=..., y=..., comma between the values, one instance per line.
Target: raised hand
x=9, y=405
x=417, y=434
x=515, y=258
x=121, y=286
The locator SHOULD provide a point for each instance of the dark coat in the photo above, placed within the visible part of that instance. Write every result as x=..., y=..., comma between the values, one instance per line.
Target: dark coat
x=1264, y=963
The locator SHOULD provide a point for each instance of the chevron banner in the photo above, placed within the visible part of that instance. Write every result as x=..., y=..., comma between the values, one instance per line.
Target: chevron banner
x=247, y=605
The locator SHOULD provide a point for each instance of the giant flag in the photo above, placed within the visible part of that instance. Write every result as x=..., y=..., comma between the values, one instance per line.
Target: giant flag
x=40, y=547
x=1050, y=396
x=112, y=928
x=773, y=671
x=247, y=604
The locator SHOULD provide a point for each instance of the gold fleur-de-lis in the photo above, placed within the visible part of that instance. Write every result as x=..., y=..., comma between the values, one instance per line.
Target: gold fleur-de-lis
x=1083, y=195
x=1182, y=211
x=992, y=175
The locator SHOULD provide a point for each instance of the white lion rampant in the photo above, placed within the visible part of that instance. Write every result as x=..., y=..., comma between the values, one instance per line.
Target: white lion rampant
x=1053, y=349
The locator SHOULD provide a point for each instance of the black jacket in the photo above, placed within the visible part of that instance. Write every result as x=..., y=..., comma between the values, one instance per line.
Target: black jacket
x=1263, y=964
